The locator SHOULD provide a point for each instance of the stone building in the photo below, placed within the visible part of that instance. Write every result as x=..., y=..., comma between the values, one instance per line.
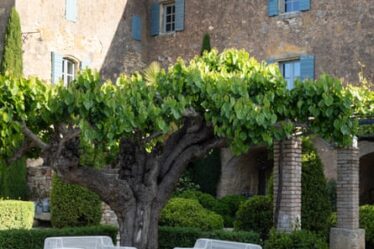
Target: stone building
x=305, y=37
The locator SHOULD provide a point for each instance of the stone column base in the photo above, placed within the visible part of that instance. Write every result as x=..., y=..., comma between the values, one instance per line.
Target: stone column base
x=341, y=238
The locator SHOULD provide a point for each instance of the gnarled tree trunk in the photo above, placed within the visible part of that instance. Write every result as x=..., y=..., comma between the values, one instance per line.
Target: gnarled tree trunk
x=146, y=180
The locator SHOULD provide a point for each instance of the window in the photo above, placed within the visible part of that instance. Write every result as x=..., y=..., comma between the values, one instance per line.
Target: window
x=167, y=17
x=291, y=5
x=68, y=70
x=290, y=71
x=65, y=68
x=276, y=7
x=71, y=10
x=300, y=67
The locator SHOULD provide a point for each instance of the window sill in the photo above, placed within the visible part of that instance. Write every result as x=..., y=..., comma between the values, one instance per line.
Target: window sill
x=288, y=15
x=167, y=33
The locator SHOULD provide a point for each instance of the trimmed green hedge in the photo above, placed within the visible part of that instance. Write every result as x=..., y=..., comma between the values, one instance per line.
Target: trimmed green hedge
x=34, y=239
x=367, y=223
x=180, y=212
x=170, y=237
x=13, y=182
x=16, y=214
x=256, y=214
x=297, y=240
x=73, y=205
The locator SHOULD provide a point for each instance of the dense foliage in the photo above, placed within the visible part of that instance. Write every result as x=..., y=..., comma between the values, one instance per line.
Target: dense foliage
x=16, y=214
x=296, y=240
x=231, y=204
x=206, y=172
x=367, y=223
x=315, y=203
x=13, y=182
x=170, y=237
x=73, y=205
x=256, y=214
x=12, y=52
x=246, y=102
x=181, y=212
x=34, y=239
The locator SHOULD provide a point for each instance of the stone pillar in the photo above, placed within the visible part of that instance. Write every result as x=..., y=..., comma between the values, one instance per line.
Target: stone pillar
x=287, y=177
x=347, y=234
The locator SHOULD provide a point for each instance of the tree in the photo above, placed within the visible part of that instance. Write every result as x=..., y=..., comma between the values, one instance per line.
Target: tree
x=150, y=127
x=12, y=54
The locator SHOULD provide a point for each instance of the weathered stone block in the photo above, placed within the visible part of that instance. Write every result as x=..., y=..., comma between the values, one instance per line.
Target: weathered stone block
x=347, y=239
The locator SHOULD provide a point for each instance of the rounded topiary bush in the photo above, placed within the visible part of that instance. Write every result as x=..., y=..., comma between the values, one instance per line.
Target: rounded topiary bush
x=231, y=204
x=256, y=214
x=180, y=212
x=297, y=239
x=209, y=202
x=73, y=205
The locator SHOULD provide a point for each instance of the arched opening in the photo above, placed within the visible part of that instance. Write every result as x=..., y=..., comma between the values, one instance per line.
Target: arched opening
x=366, y=179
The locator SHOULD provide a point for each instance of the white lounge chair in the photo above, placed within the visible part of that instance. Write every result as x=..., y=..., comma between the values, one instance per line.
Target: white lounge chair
x=81, y=242
x=221, y=244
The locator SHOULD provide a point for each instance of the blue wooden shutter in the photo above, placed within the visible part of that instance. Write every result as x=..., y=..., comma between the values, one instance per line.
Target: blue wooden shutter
x=155, y=19
x=273, y=7
x=71, y=10
x=179, y=15
x=136, y=28
x=56, y=72
x=304, y=5
x=307, y=67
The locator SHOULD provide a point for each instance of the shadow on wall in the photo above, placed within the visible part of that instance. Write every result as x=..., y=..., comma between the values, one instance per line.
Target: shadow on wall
x=5, y=8
x=125, y=54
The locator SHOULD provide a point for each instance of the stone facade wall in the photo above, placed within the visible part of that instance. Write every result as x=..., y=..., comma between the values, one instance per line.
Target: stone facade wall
x=39, y=179
x=288, y=169
x=102, y=29
x=338, y=33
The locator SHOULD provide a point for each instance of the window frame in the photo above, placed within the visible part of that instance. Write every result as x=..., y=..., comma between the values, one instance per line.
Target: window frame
x=284, y=3
x=66, y=60
x=295, y=76
x=164, y=15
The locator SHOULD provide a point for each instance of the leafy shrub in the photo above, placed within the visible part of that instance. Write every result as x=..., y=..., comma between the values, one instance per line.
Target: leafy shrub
x=209, y=202
x=181, y=212
x=170, y=237
x=256, y=214
x=232, y=204
x=367, y=223
x=13, y=182
x=34, y=239
x=16, y=214
x=186, y=183
x=331, y=192
x=295, y=240
x=315, y=207
x=73, y=205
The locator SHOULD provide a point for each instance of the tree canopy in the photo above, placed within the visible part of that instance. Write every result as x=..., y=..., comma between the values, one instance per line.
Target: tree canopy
x=245, y=101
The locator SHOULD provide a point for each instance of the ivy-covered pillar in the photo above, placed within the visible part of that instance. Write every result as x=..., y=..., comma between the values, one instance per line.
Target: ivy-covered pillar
x=347, y=234
x=287, y=184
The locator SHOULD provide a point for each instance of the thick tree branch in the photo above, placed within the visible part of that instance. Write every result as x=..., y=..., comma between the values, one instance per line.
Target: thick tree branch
x=191, y=153
x=21, y=151
x=34, y=138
